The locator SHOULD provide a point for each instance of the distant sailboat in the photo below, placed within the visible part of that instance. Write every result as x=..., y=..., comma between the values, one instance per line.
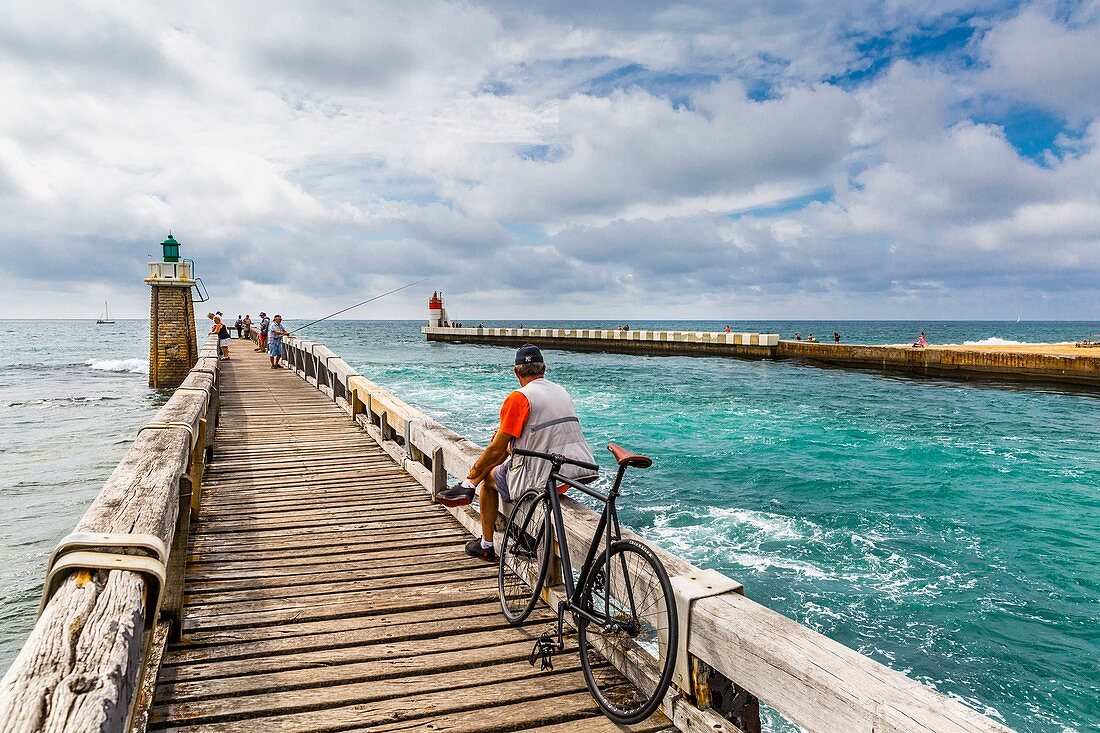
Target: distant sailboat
x=106, y=317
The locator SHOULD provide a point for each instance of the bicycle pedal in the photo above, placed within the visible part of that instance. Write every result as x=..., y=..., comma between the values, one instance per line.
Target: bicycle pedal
x=544, y=651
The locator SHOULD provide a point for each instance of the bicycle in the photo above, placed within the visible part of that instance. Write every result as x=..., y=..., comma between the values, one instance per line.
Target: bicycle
x=622, y=602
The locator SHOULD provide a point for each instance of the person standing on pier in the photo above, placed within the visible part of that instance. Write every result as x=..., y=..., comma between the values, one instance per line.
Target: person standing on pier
x=222, y=332
x=275, y=334
x=538, y=416
x=239, y=325
x=247, y=324
x=264, y=325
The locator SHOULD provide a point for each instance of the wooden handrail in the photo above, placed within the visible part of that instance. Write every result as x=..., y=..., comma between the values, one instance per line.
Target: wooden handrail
x=813, y=681
x=81, y=666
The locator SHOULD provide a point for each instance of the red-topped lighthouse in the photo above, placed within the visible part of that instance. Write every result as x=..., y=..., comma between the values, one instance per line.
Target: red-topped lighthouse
x=437, y=314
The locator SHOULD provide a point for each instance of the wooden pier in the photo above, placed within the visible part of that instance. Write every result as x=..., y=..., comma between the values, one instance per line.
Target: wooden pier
x=325, y=590
x=268, y=557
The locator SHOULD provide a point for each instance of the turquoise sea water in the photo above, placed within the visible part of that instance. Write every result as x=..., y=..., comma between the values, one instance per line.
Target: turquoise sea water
x=949, y=530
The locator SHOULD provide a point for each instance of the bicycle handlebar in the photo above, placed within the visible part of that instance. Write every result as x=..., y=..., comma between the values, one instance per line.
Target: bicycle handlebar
x=556, y=458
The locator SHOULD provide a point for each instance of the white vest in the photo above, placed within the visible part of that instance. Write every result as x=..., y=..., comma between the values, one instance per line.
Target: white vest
x=552, y=427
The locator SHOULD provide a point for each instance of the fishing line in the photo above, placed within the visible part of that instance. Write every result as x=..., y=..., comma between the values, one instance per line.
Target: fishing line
x=368, y=300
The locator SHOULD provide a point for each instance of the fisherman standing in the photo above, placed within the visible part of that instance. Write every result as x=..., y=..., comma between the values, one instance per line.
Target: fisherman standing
x=538, y=416
x=276, y=331
x=265, y=324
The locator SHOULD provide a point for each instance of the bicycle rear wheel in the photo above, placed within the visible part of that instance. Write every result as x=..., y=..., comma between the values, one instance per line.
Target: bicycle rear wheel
x=524, y=556
x=639, y=637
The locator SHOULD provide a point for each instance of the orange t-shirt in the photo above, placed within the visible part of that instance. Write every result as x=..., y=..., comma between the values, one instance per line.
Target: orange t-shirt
x=514, y=413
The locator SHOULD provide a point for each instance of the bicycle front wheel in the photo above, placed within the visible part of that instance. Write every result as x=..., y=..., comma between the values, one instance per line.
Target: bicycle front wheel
x=630, y=591
x=524, y=556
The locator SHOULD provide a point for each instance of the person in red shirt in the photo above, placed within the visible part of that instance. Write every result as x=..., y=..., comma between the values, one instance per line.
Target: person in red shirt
x=498, y=475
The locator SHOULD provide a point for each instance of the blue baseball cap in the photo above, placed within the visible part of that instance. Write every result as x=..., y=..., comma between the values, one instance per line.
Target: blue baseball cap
x=528, y=354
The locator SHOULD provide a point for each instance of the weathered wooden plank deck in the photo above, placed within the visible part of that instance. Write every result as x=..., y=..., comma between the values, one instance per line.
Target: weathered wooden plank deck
x=324, y=591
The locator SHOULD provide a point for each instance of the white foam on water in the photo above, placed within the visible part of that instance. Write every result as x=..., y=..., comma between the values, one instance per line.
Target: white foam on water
x=771, y=526
x=128, y=366
x=760, y=563
x=996, y=341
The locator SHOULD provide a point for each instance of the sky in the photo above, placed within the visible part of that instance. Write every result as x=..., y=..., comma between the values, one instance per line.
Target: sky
x=626, y=160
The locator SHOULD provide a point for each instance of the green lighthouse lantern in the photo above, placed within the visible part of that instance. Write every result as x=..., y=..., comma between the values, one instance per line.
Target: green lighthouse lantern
x=171, y=249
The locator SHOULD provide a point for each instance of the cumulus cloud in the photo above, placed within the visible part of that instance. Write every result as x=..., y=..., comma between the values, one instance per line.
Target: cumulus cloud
x=1054, y=64
x=634, y=149
x=799, y=156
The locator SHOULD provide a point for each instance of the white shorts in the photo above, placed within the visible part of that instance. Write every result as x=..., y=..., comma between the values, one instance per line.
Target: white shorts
x=223, y=342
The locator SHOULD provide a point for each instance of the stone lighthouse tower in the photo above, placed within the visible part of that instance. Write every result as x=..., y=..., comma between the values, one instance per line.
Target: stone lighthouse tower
x=173, y=342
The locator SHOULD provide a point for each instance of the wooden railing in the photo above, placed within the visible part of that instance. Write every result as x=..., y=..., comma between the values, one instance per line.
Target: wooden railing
x=737, y=650
x=114, y=596
x=114, y=589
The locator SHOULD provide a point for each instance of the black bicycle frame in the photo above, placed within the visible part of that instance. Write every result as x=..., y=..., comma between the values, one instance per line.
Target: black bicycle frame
x=607, y=527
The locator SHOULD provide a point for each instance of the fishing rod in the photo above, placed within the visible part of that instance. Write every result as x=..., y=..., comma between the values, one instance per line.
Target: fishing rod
x=368, y=300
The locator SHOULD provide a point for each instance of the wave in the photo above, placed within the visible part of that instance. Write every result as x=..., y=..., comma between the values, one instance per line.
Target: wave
x=996, y=341
x=128, y=366
x=60, y=401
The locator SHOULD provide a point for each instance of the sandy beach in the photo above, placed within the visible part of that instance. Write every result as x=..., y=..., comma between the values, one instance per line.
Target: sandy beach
x=1066, y=349
x=1063, y=349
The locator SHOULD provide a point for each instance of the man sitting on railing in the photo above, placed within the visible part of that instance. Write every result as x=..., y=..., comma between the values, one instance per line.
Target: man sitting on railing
x=538, y=416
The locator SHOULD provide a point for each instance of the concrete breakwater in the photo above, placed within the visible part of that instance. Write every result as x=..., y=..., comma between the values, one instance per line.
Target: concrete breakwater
x=957, y=362
x=669, y=343
x=1055, y=364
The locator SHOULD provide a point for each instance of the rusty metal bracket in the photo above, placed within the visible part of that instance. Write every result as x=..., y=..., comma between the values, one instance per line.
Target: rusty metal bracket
x=733, y=702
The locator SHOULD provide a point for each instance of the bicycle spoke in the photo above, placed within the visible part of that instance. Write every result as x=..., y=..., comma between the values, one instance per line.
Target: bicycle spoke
x=524, y=557
x=632, y=595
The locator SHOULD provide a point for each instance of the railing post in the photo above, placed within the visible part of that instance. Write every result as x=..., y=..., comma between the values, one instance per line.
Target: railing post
x=358, y=407
x=211, y=424
x=439, y=473
x=172, y=603
x=198, y=461
x=553, y=573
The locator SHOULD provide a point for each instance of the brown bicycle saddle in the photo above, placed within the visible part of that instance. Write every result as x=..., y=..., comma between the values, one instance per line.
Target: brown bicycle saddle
x=623, y=456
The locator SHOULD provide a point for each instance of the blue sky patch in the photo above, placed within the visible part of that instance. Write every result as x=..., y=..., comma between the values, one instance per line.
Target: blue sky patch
x=495, y=87
x=541, y=153
x=877, y=53
x=1033, y=132
x=676, y=87
x=785, y=206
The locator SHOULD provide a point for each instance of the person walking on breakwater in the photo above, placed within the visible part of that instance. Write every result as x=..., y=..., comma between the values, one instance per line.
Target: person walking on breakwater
x=538, y=416
x=265, y=324
x=275, y=334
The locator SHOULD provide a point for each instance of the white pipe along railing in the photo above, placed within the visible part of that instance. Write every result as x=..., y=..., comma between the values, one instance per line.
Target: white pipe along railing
x=734, y=649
